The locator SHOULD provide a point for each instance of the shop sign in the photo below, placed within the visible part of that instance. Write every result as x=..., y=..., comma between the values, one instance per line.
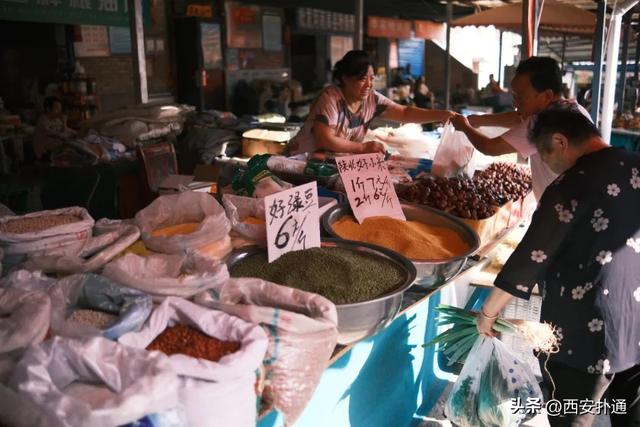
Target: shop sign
x=369, y=188
x=244, y=29
x=293, y=221
x=391, y=28
x=87, y=12
x=308, y=18
x=430, y=30
x=211, y=45
x=200, y=10
x=93, y=41
x=411, y=52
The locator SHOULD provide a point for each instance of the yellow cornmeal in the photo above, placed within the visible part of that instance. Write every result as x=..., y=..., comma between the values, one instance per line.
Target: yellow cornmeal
x=175, y=230
x=413, y=239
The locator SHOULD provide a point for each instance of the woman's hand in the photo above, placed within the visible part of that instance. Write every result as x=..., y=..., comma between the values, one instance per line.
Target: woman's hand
x=373, y=147
x=460, y=122
x=485, y=324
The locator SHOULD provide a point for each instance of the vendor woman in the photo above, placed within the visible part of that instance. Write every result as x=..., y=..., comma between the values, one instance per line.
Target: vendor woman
x=341, y=115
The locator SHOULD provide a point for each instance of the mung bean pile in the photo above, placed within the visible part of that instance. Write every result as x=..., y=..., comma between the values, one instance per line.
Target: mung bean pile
x=35, y=224
x=341, y=275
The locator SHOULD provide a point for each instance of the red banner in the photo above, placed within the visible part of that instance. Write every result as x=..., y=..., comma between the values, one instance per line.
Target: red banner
x=391, y=28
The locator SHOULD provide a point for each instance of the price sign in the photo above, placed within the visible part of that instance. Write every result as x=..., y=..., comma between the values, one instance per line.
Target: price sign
x=292, y=220
x=369, y=187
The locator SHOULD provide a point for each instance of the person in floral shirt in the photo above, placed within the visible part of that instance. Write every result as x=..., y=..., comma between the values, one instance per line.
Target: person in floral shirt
x=582, y=249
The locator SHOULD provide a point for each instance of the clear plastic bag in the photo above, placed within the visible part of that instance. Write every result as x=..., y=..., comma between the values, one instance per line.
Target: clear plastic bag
x=454, y=154
x=493, y=388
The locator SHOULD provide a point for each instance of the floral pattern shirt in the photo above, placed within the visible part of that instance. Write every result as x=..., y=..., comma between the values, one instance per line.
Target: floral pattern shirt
x=583, y=250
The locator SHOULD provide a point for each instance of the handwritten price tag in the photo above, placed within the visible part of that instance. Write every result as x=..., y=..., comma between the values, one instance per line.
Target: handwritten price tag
x=292, y=220
x=369, y=187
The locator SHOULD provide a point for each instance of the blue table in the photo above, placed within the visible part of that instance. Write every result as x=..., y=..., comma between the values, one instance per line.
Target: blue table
x=388, y=379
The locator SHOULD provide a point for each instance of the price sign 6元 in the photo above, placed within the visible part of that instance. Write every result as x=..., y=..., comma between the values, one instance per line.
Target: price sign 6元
x=369, y=187
x=292, y=220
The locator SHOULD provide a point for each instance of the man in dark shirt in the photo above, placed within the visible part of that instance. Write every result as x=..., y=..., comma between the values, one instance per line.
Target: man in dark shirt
x=583, y=250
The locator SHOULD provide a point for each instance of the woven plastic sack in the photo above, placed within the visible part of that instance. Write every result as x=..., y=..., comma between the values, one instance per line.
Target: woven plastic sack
x=61, y=239
x=214, y=393
x=109, y=239
x=162, y=275
x=68, y=380
x=302, y=336
x=493, y=388
x=239, y=208
x=186, y=207
x=453, y=157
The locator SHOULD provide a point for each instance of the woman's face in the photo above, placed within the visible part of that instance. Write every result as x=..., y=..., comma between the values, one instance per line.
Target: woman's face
x=358, y=88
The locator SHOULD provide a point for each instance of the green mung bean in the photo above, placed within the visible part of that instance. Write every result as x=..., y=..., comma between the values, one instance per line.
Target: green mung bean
x=343, y=276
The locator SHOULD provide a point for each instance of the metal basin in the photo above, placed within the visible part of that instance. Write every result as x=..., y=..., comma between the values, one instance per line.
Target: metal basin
x=359, y=320
x=430, y=273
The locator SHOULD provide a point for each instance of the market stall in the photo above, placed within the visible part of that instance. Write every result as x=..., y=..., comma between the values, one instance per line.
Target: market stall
x=285, y=333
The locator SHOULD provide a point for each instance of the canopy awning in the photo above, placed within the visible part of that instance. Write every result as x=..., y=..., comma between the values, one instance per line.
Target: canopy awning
x=556, y=17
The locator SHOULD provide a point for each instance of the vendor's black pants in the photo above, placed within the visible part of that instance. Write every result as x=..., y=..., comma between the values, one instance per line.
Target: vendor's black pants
x=573, y=384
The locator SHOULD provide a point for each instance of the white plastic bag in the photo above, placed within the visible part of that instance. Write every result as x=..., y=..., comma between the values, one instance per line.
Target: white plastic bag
x=186, y=207
x=214, y=393
x=61, y=239
x=140, y=384
x=454, y=154
x=109, y=240
x=493, y=388
x=24, y=318
x=302, y=336
x=162, y=275
x=239, y=208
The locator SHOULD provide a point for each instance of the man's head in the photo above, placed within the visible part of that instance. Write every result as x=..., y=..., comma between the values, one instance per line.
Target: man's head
x=537, y=83
x=52, y=105
x=562, y=135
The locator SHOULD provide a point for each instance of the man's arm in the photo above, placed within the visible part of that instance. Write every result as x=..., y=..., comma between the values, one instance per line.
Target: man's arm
x=326, y=139
x=488, y=146
x=508, y=119
x=404, y=114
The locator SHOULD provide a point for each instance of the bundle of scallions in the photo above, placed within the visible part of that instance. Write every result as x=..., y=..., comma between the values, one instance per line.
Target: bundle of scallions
x=456, y=342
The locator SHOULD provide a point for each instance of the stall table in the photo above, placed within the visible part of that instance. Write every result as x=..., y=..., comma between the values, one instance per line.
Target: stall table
x=625, y=138
x=107, y=190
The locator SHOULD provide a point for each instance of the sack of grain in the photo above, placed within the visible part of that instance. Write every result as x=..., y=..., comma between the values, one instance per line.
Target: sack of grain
x=93, y=383
x=161, y=275
x=95, y=305
x=85, y=305
x=175, y=223
x=302, y=336
x=24, y=318
x=240, y=211
x=60, y=231
x=109, y=239
x=209, y=389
